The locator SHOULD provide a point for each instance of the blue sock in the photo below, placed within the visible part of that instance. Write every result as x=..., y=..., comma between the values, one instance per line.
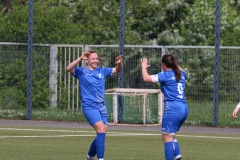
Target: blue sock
x=100, y=145
x=177, y=148
x=92, y=149
x=169, y=151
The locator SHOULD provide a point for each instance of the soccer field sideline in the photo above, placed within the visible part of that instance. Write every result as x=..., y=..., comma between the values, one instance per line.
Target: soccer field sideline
x=58, y=124
x=92, y=133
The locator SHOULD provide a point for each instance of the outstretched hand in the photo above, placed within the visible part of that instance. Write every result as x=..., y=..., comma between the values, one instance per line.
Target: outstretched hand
x=118, y=68
x=85, y=55
x=235, y=111
x=118, y=59
x=144, y=63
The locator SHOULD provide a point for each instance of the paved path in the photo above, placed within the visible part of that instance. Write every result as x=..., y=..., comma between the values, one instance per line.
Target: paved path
x=185, y=129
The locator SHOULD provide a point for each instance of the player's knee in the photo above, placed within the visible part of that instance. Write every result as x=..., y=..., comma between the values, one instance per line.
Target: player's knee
x=100, y=127
x=101, y=130
x=167, y=137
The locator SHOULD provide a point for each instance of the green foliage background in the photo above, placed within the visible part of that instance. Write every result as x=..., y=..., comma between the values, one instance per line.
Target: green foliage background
x=184, y=22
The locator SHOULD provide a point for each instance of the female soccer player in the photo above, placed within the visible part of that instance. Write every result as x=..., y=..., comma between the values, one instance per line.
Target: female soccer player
x=92, y=87
x=172, y=81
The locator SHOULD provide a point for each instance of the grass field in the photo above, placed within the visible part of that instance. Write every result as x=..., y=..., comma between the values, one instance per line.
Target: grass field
x=52, y=143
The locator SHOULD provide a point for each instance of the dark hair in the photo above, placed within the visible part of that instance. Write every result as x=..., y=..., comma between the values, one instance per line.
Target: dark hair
x=172, y=62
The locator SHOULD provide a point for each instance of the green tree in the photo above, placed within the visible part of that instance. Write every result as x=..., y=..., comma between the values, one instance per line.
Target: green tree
x=158, y=22
x=51, y=24
x=13, y=79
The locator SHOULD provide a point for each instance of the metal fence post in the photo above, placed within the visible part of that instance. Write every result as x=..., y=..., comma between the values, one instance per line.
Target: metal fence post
x=216, y=62
x=30, y=59
x=121, y=52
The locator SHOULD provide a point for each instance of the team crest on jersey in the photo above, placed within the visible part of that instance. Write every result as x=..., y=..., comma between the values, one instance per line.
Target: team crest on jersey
x=99, y=75
x=173, y=78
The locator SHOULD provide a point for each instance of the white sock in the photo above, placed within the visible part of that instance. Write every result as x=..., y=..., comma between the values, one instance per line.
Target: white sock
x=100, y=159
x=88, y=156
x=178, y=156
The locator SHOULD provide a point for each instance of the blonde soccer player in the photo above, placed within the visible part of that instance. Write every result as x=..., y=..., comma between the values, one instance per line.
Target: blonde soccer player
x=92, y=90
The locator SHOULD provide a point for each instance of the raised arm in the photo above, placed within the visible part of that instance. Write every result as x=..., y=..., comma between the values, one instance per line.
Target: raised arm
x=146, y=77
x=119, y=66
x=70, y=67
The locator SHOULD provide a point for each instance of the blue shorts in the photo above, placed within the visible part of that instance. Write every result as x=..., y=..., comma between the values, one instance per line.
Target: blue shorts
x=175, y=114
x=94, y=115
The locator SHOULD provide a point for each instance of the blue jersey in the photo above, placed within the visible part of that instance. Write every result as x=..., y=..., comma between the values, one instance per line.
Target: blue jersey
x=171, y=88
x=92, y=84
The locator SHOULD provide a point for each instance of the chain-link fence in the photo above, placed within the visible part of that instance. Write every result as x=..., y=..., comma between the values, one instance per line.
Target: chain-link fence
x=63, y=30
x=54, y=89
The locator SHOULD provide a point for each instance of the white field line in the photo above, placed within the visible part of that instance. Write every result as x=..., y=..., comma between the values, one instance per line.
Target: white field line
x=216, y=137
x=92, y=133
x=46, y=136
x=73, y=131
x=44, y=130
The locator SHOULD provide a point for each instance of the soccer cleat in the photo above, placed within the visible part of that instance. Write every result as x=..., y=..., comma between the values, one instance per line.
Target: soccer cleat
x=180, y=158
x=90, y=158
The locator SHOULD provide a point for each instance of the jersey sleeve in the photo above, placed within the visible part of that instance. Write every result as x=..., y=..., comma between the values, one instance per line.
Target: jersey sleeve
x=184, y=74
x=161, y=77
x=107, y=71
x=77, y=71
